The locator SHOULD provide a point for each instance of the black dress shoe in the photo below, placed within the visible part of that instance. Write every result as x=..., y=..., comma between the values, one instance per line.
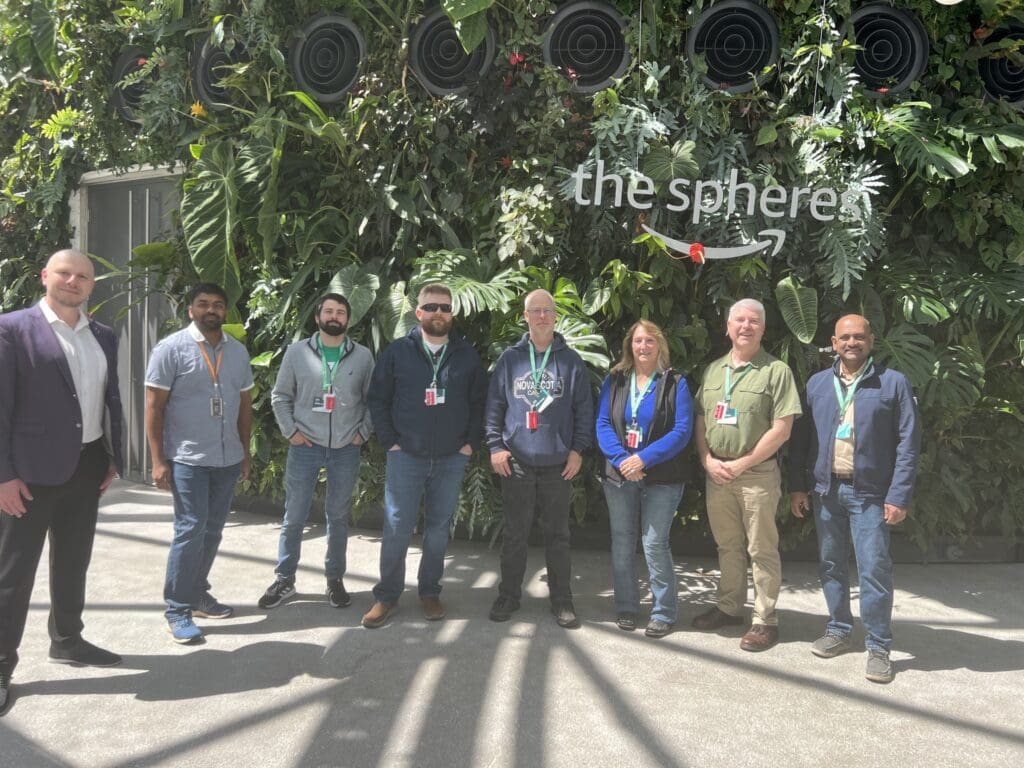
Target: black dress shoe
x=565, y=615
x=5, y=692
x=716, y=619
x=79, y=651
x=626, y=621
x=657, y=628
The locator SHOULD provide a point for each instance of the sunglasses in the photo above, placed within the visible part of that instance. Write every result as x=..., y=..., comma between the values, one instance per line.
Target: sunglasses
x=434, y=307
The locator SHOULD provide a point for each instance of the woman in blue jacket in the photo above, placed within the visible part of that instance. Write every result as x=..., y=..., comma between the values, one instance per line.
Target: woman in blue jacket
x=644, y=422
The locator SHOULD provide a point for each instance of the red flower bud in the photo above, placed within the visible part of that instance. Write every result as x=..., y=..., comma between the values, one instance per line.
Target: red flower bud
x=506, y=162
x=141, y=62
x=883, y=89
x=515, y=59
x=697, y=253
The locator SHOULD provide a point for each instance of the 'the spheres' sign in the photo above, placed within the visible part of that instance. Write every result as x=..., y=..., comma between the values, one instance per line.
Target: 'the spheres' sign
x=708, y=196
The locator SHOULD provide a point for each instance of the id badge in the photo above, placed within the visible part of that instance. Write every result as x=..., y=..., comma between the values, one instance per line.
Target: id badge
x=545, y=400
x=728, y=415
x=634, y=436
x=532, y=419
x=217, y=407
x=433, y=396
x=329, y=400
x=845, y=432
x=720, y=408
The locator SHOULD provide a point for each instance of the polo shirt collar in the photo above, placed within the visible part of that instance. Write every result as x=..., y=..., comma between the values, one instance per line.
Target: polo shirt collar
x=197, y=335
x=759, y=360
x=51, y=316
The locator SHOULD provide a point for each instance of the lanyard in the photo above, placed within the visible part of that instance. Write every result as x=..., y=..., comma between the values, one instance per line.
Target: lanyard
x=729, y=383
x=430, y=359
x=328, y=372
x=538, y=373
x=214, y=370
x=634, y=398
x=845, y=400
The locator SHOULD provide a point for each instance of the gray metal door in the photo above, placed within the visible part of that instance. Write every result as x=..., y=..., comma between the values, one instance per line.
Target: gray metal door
x=121, y=216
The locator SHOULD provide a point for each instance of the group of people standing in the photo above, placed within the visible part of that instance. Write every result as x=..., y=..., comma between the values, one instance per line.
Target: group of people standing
x=429, y=400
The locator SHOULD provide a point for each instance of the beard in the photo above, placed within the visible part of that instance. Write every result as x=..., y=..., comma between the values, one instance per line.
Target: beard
x=332, y=327
x=437, y=325
x=209, y=322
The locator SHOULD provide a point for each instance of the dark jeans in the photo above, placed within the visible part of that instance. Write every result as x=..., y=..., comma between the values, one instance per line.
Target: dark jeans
x=66, y=512
x=527, y=491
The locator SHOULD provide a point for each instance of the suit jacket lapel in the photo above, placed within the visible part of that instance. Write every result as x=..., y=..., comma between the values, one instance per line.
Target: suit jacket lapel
x=49, y=347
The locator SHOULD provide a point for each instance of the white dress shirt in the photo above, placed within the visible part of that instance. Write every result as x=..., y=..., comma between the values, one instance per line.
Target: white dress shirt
x=88, y=367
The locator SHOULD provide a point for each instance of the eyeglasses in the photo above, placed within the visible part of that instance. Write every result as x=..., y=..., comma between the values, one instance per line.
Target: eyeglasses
x=434, y=307
x=540, y=312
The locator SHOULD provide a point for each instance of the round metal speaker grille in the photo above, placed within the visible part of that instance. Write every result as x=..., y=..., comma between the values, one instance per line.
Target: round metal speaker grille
x=587, y=38
x=1002, y=77
x=325, y=56
x=127, y=99
x=738, y=39
x=437, y=59
x=894, y=47
x=209, y=66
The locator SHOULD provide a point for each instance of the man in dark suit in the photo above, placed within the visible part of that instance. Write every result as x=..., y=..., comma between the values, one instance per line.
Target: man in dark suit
x=60, y=448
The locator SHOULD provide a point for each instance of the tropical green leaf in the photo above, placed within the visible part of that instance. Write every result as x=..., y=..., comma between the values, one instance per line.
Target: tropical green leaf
x=471, y=30
x=585, y=339
x=43, y=20
x=957, y=380
x=397, y=312
x=209, y=216
x=262, y=360
x=667, y=163
x=870, y=306
x=909, y=351
x=461, y=9
x=358, y=286
x=235, y=330
x=474, y=288
x=799, y=307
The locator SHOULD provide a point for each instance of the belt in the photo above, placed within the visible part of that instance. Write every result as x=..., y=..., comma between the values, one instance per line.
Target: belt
x=842, y=478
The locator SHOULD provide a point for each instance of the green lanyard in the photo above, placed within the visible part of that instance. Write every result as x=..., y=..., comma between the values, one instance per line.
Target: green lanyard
x=328, y=373
x=845, y=400
x=634, y=398
x=729, y=383
x=538, y=373
x=435, y=365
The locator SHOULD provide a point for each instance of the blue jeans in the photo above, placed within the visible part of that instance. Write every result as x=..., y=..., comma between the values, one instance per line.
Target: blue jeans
x=410, y=479
x=300, y=478
x=841, y=515
x=653, y=506
x=202, y=500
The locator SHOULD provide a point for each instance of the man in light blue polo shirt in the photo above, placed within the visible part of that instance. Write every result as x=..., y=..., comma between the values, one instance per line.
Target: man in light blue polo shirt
x=198, y=421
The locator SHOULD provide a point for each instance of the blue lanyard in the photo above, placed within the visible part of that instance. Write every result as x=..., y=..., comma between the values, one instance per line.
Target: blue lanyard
x=634, y=398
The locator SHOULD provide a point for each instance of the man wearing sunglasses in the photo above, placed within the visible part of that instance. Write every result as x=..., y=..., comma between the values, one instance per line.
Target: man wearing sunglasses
x=426, y=402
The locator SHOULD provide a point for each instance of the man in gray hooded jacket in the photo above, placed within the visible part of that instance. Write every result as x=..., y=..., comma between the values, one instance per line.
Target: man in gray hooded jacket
x=319, y=401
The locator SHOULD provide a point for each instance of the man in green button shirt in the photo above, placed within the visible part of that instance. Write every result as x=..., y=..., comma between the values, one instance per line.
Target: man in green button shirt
x=745, y=410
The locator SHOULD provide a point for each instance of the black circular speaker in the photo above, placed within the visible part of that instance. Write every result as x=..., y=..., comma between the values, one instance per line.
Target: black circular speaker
x=209, y=67
x=738, y=39
x=126, y=99
x=1003, y=78
x=325, y=56
x=894, y=47
x=586, y=39
x=438, y=60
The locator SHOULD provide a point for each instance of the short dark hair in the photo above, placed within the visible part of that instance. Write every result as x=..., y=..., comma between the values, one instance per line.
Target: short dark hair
x=210, y=288
x=333, y=297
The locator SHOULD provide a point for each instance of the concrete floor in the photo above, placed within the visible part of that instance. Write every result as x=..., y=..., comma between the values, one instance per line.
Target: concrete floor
x=305, y=685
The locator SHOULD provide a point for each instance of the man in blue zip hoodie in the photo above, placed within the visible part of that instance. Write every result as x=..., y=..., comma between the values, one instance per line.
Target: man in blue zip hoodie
x=540, y=412
x=858, y=445
x=426, y=402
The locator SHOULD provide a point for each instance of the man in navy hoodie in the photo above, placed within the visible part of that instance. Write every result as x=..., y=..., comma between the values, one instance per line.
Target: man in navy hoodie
x=426, y=402
x=540, y=410
x=857, y=447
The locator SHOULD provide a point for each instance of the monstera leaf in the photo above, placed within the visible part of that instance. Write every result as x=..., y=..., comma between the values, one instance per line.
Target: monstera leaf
x=397, y=312
x=799, y=307
x=909, y=351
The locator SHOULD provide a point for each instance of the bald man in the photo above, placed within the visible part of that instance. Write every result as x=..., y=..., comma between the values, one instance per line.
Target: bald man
x=58, y=392
x=857, y=448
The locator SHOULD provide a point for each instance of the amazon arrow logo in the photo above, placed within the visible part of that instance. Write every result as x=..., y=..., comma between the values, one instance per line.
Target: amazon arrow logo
x=769, y=238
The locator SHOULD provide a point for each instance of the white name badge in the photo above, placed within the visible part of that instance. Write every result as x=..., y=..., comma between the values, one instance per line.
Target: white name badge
x=217, y=407
x=634, y=436
x=433, y=396
x=545, y=403
x=325, y=403
x=725, y=415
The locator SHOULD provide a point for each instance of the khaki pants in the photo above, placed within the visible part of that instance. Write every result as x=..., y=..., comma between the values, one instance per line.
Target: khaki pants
x=742, y=517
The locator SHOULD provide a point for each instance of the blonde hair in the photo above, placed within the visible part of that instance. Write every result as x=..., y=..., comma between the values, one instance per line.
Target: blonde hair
x=626, y=363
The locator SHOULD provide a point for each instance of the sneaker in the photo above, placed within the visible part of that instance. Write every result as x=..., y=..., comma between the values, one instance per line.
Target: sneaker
x=79, y=651
x=503, y=608
x=209, y=608
x=277, y=593
x=336, y=594
x=5, y=692
x=378, y=615
x=879, y=669
x=565, y=615
x=183, y=629
x=830, y=645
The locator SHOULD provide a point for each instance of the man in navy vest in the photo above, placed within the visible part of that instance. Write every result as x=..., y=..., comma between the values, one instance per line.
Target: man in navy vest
x=60, y=448
x=857, y=447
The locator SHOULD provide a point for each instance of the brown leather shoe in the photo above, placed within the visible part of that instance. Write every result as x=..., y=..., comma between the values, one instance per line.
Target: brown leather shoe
x=378, y=615
x=716, y=619
x=432, y=608
x=760, y=637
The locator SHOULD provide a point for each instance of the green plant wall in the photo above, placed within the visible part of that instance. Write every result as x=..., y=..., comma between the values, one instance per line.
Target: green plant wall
x=284, y=198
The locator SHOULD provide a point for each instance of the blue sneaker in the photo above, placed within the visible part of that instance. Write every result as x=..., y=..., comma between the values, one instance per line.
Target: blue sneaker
x=209, y=608
x=183, y=629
